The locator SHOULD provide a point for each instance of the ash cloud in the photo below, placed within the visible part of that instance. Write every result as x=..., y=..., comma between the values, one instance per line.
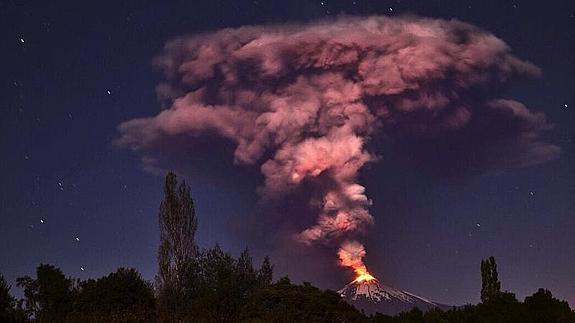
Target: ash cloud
x=351, y=254
x=303, y=102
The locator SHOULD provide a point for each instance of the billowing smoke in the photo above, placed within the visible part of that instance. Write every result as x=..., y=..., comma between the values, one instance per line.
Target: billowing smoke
x=304, y=101
x=351, y=254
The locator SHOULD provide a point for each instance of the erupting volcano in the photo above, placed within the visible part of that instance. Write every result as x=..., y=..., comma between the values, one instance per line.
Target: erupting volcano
x=364, y=277
x=308, y=103
x=367, y=293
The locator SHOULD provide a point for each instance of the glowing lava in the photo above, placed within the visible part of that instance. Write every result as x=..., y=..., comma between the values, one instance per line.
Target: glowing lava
x=363, y=276
x=351, y=255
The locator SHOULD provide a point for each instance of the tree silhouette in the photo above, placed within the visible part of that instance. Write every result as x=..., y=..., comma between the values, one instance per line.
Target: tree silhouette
x=122, y=296
x=210, y=285
x=10, y=310
x=223, y=282
x=543, y=307
x=266, y=273
x=7, y=302
x=178, y=224
x=48, y=298
x=286, y=302
x=490, y=285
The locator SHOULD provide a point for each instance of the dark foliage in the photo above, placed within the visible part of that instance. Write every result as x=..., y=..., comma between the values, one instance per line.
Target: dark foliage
x=10, y=310
x=122, y=296
x=7, y=302
x=48, y=298
x=222, y=284
x=490, y=285
x=199, y=286
x=539, y=308
x=286, y=302
x=543, y=307
x=496, y=307
x=177, y=250
x=266, y=273
x=212, y=286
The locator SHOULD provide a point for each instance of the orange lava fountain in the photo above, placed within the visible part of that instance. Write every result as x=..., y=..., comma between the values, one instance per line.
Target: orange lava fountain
x=363, y=276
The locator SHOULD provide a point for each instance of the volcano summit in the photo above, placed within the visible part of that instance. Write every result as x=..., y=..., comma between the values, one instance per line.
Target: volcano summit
x=371, y=296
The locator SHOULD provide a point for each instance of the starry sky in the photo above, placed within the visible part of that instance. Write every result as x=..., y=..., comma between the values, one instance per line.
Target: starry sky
x=72, y=71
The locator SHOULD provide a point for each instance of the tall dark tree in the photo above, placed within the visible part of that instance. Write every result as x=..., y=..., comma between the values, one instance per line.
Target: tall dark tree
x=178, y=224
x=7, y=302
x=265, y=273
x=245, y=274
x=8, y=306
x=10, y=309
x=48, y=298
x=490, y=285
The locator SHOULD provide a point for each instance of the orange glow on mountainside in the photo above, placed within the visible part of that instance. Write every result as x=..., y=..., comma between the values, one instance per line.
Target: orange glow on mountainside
x=363, y=276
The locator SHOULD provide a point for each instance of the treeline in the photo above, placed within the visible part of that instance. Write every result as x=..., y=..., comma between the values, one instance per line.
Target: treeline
x=123, y=296
x=495, y=307
x=222, y=286
x=541, y=307
x=192, y=285
x=211, y=285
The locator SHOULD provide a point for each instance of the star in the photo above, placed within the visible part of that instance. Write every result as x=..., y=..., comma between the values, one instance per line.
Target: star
x=41, y=220
x=21, y=40
x=60, y=186
x=478, y=225
x=77, y=239
x=82, y=268
x=532, y=193
x=390, y=9
x=565, y=105
x=109, y=92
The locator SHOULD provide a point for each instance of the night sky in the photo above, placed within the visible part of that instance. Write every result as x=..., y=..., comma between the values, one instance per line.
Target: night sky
x=72, y=71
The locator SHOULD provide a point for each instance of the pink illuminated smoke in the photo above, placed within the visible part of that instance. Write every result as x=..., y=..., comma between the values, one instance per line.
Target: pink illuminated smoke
x=311, y=97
